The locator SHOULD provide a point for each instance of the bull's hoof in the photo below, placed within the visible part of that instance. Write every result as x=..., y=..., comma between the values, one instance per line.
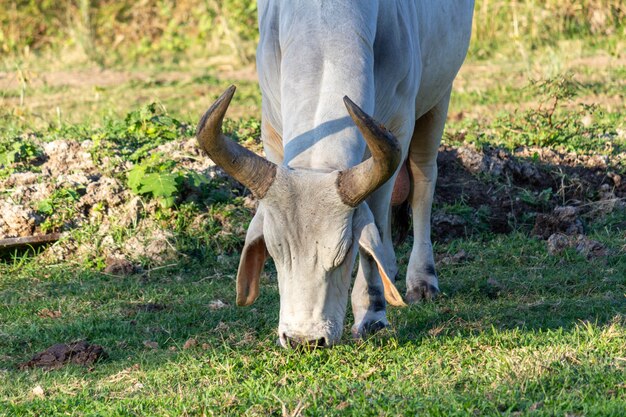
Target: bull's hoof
x=422, y=292
x=368, y=328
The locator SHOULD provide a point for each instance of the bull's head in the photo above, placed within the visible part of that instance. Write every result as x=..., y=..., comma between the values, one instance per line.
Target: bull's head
x=312, y=224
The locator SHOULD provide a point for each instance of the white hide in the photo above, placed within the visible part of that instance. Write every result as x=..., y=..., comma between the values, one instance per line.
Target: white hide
x=396, y=60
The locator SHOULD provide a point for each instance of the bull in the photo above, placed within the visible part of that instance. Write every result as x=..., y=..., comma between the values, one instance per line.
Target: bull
x=324, y=191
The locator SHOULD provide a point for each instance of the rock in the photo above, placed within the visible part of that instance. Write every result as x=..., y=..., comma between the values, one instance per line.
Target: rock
x=473, y=160
x=190, y=343
x=590, y=248
x=118, y=266
x=152, y=244
x=17, y=220
x=217, y=304
x=106, y=191
x=562, y=220
x=557, y=243
x=67, y=156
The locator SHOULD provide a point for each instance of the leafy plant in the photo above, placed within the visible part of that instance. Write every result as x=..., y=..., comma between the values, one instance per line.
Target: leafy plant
x=58, y=209
x=143, y=129
x=549, y=125
x=160, y=178
x=18, y=151
x=17, y=156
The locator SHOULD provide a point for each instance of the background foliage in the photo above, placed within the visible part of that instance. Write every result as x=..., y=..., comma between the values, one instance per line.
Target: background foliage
x=109, y=32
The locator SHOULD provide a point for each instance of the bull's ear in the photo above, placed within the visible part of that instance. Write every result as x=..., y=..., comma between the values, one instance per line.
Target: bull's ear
x=251, y=263
x=371, y=243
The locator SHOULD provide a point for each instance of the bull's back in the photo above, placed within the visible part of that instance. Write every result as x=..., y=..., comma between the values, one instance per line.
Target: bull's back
x=419, y=49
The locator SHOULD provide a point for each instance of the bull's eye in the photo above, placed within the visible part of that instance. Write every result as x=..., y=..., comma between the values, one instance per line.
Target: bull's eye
x=340, y=253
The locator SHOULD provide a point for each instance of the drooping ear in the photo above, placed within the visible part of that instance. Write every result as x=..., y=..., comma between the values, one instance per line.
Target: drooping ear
x=251, y=263
x=371, y=243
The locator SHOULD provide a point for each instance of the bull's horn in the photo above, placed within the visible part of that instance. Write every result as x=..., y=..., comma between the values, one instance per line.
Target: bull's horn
x=357, y=183
x=248, y=168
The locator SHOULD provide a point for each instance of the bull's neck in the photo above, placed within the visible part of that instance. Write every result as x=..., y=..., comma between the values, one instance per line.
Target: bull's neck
x=327, y=53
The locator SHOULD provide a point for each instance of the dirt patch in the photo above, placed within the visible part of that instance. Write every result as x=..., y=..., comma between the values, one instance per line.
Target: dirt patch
x=496, y=190
x=589, y=248
x=56, y=356
x=562, y=220
x=478, y=190
x=67, y=189
x=118, y=266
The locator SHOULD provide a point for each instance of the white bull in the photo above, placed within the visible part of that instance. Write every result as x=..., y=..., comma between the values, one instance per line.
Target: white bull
x=325, y=188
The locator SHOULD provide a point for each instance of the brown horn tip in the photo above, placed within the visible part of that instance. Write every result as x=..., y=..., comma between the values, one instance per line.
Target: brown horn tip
x=357, y=183
x=245, y=166
x=215, y=116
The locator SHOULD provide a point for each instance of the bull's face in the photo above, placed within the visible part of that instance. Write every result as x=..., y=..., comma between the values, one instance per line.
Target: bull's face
x=312, y=224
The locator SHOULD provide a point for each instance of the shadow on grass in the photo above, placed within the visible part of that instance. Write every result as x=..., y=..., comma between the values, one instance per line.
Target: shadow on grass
x=127, y=314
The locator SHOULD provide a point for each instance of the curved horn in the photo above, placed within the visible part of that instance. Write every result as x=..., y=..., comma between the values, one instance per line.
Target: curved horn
x=357, y=183
x=248, y=168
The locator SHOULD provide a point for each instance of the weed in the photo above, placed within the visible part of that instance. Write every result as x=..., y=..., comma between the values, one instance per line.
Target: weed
x=159, y=178
x=16, y=156
x=143, y=129
x=549, y=124
x=58, y=209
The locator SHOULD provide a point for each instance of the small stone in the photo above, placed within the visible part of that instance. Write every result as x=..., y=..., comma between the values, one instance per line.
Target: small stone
x=190, y=343
x=38, y=392
x=557, y=243
x=590, y=248
x=150, y=344
x=217, y=304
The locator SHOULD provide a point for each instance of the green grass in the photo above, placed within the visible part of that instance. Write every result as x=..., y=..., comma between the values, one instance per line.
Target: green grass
x=549, y=339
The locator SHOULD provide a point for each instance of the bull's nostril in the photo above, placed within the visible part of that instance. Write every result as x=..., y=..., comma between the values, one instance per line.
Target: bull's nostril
x=299, y=343
x=293, y=343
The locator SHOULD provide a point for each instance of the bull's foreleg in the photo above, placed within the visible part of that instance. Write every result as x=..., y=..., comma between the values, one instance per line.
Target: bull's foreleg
x=421, y=280
x=368, y=297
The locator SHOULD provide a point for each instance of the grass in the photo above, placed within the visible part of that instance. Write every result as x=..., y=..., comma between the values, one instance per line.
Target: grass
x=516, y=332
x=548, y=340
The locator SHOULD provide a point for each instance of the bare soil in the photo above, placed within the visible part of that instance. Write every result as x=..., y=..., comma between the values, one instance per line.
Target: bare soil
x=478, y=190
x=510, y=190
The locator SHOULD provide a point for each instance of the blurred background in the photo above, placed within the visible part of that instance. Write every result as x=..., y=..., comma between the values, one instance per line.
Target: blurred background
x=114, y=33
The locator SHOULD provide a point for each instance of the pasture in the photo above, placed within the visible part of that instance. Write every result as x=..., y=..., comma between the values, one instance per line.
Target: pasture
x=529, y=226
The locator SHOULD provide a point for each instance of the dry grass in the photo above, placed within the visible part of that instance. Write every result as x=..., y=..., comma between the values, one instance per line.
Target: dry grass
x=108, y=31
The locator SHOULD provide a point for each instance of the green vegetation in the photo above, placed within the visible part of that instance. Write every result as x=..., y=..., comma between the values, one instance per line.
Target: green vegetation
x=520, y=329
x=582, y=128
x=59, y=208
x=110, y=32
x=516, y=331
